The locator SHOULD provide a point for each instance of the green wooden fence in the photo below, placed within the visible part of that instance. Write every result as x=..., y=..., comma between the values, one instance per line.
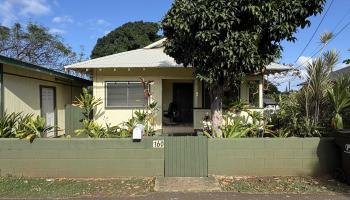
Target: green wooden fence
x=186, y=156
x=73, y=115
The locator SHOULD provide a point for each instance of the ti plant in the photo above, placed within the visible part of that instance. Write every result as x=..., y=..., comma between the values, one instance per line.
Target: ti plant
x=339, y=95
x=35, y=128
x=9, y=125
x=91, y=129
x=12, y=124
x=87, y=102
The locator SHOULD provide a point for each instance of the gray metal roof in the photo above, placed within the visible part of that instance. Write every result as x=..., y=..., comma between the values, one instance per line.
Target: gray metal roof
x=18, y=63
x=150, y=56
x=340, y=72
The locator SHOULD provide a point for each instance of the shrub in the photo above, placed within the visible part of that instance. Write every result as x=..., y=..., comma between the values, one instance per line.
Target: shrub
x=23, y=126
x=87, y=102
x=35, y=128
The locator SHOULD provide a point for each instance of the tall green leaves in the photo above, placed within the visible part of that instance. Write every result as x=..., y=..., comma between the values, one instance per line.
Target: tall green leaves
x=24, y=126
x=87, y=102
x=35, y=128
x=314, y=93
x=339, y=95
x=12, y=124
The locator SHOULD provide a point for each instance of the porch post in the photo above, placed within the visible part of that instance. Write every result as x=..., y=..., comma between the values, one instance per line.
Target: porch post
x=157, y=95
x=197, y=94
x=1, y=89
x=261, y=93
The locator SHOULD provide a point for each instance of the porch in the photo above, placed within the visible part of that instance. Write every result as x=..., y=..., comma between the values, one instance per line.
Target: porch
x=186, y=102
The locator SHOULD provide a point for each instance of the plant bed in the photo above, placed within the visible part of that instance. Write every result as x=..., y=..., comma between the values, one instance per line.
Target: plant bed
x=15, y=187
x=278, y=185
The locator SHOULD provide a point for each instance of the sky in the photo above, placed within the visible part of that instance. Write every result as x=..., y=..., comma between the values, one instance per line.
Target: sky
x=81, y=22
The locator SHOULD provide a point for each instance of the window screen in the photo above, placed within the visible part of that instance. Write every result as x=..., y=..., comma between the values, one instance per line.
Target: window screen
x=125, y=94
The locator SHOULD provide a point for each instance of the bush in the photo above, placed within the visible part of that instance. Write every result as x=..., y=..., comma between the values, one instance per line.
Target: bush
x=145, y=117
x=23, y=126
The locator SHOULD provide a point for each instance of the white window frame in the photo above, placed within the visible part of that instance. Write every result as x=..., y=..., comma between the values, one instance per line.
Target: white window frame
x=127, y=91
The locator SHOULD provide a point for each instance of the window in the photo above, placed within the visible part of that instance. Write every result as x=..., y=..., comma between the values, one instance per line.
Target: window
x=253, y=87
x=125, y=94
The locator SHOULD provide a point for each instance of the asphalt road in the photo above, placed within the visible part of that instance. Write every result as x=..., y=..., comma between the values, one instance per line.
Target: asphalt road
x=235, y=196
x=223, y=196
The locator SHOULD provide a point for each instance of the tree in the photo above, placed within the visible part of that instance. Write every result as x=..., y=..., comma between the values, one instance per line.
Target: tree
x=130, y=36
x=224, y=39
x=35, y=44
x=270, y=88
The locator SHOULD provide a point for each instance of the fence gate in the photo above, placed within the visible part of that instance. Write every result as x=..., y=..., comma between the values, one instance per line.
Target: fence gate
x=186, y=156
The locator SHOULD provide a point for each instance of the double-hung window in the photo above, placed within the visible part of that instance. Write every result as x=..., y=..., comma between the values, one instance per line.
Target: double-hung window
x=125, y=94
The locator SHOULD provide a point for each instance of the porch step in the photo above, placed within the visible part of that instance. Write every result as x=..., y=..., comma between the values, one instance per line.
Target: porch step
x=186, y=184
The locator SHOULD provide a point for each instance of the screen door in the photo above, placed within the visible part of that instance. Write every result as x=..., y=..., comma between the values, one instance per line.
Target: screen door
x=48, y=107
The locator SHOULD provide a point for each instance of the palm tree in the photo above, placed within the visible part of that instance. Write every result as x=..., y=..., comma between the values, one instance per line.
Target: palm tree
x=339, y=95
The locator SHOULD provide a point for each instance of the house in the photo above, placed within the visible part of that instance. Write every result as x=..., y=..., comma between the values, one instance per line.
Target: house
x=340, y=72
x=32, y=89
x=116, y=80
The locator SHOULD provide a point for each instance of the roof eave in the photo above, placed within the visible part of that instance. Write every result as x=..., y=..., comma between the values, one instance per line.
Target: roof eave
x=17, y=63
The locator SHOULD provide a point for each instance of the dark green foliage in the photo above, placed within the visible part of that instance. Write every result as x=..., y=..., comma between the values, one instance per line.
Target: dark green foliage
x=12, y=124
x=290, y=120
x=87, y=102
x=130, y=36
x=35, y=44
x=35, y=128
x=24, y=126
x=225, y=38
x=270, y=88
x=339, y=95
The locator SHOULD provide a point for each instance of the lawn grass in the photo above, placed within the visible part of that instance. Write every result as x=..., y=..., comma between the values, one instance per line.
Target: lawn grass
x=15, y=187
x=292, y=185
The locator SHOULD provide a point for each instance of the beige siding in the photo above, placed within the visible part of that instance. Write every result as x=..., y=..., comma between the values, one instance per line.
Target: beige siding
x=22, y=94
x=116, y=116
x=161, y=90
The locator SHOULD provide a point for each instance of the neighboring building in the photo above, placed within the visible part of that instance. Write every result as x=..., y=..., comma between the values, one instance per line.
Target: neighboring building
x=340, y=72
x=32, y=89
x=116, y=80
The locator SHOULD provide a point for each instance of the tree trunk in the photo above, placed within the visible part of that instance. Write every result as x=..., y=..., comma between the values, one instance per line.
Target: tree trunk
x=216, y=95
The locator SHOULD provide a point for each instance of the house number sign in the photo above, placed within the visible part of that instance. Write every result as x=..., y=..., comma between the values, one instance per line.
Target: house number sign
x=158, y=144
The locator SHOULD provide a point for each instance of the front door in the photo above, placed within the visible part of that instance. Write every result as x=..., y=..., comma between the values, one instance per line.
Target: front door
x=48, y=106
x=183, y=98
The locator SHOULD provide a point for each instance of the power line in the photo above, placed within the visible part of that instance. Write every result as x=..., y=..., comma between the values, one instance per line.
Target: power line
x=335, y=36
x=342, y=19
x=313, y=35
